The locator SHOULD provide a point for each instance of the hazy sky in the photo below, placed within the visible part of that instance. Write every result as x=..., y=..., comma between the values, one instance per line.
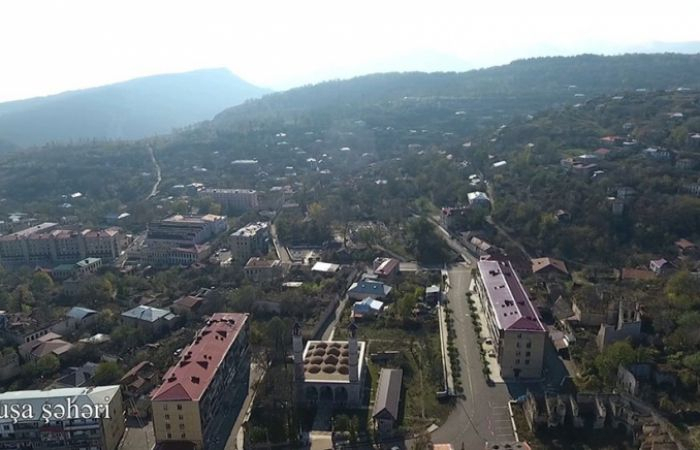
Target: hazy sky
x=48, y=46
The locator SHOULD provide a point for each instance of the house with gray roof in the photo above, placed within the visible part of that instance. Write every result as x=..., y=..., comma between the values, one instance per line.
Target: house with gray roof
x=76, y=318
x=367, y=288
x=149, y=319
x=386, y=405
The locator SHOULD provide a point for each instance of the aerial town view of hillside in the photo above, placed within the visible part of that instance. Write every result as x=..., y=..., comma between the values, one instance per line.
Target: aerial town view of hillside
x=394, y=228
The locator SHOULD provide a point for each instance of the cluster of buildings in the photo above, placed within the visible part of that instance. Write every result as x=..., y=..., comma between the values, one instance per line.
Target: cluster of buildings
x=181, y=240
x=48, y=244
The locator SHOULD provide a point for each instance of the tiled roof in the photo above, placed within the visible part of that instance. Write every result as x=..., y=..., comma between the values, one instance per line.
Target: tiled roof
x=190, y=377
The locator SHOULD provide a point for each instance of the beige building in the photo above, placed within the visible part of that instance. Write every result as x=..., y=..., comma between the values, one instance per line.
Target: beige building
x=97, y=421
x=210, y=380
x=45, y=244
x=263, y=270
x=513, y=322
x=182, y=240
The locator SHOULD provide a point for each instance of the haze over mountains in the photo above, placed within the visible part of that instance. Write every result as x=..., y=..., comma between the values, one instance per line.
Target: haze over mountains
x=158, y=104
x=128, y=110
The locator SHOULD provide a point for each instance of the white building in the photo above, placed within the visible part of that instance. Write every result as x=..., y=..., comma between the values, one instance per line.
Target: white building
x=182, y=240
x=512, y=320
x=329, y=372
x=233, y=199
x=248, y=241
x=96, y=419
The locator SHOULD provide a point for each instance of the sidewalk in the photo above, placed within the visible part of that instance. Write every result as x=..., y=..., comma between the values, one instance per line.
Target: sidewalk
x=485, y=337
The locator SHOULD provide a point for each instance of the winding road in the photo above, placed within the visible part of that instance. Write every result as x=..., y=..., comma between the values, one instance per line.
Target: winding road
x=154, y=191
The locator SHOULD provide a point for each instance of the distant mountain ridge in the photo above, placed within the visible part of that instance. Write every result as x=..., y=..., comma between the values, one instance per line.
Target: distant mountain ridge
x=525, y=85
x=129, y=110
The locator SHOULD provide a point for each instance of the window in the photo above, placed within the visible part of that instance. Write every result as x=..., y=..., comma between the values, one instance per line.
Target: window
x=180, y=417
x=167, y=417
x=179, y=407
x=183, y=435
x=170, y=435
x=165, y=406
x=527, y=361
x=528, y=345
x=517, y=353
x=517, y=344
x=520, y=335
x=182, y=426
x=527, y=353
x=517, y=361
x=167, y=426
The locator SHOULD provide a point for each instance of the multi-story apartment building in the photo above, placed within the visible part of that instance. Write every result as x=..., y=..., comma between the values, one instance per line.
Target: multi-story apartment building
x=209, y=381
x=233, y=199
x=249, y=241
x=182, y=240
x=518, y=334
x=95, y=420
x=47, y=244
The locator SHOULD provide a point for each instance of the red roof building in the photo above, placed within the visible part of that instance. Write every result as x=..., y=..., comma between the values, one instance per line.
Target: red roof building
x=213, y=369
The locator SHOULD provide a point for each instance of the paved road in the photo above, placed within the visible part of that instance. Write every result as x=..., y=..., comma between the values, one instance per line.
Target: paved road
x=482, y=416
x=281, y=250
x=154, y=191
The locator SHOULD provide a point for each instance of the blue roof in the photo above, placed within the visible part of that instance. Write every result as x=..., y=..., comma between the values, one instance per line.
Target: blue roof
x=79, y=313
x=146, y=313
x=370, y=287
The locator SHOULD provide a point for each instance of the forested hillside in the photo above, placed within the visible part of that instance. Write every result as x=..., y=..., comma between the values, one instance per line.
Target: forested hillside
x=523, y=86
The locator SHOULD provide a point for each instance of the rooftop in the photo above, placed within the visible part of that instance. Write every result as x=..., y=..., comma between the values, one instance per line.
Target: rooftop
x=262, y=263
x=147, y=313
x=387, y=267
x=29, y=231
x=388, y=392
x=328, y=361
x=195, y=220
x=325, y=267
x=190, y=377
x=251, y=229
x=539, y=264
x=87, y=262
x=228, y=191
x=510, y=304
x=370, y=287
x=79, y=313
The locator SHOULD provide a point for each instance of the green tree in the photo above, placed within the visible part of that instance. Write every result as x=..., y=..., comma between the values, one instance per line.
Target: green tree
x=41, y=284
x=108, y=372
x=48, y=365
x=683, y=290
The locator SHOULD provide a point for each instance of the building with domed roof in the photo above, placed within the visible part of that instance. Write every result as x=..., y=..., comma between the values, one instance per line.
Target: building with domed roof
x=330, y=372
